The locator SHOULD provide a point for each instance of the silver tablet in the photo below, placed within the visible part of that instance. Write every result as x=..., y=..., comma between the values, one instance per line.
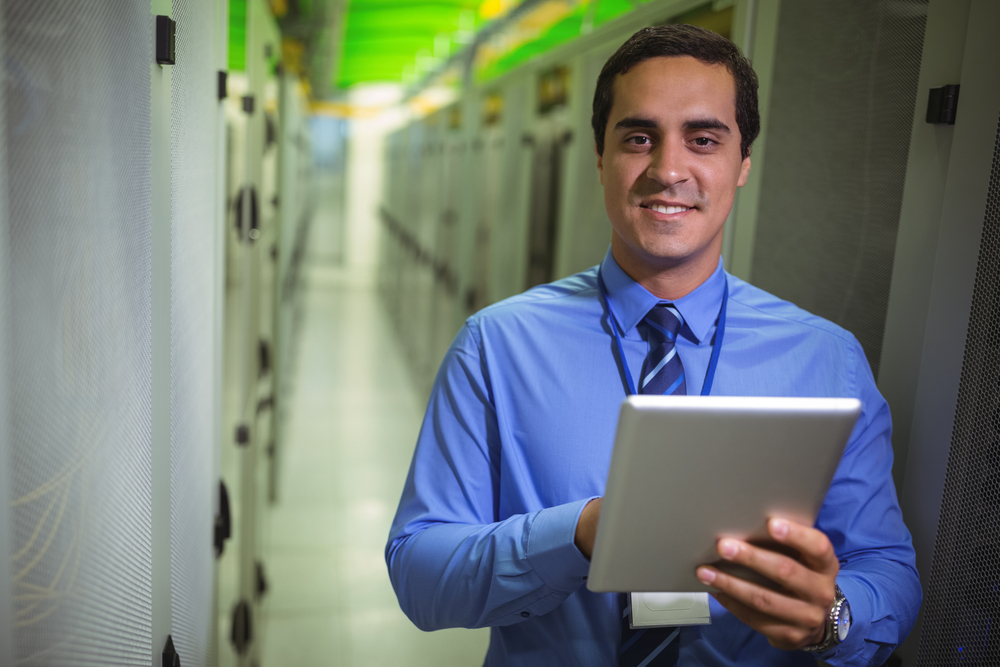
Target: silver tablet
x=688, y=470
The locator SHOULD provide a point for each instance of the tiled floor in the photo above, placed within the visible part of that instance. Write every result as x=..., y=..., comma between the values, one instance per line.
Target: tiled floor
x=353, y=419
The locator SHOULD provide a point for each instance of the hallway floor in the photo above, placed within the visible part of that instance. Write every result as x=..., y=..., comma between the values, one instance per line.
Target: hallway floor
x=352, y=423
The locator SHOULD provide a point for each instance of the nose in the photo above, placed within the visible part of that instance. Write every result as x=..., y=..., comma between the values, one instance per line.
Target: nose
x=668, y=164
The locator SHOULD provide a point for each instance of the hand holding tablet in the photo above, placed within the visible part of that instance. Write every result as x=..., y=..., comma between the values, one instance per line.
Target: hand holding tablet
x=688, y=471
x=794, y=614
x=694, y=481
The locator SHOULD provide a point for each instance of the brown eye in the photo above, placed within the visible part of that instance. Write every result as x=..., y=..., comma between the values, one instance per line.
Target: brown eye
x=703, y=142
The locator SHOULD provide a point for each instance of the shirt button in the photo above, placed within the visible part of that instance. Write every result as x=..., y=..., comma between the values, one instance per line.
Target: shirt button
x=525, y=614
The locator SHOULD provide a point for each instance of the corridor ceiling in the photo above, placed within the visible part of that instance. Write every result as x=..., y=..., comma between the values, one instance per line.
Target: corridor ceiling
x=337, y=44
x=382, y=38
x=402, y=41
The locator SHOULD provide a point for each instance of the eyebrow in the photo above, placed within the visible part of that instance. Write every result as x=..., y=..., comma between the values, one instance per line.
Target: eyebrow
x=707, y=124
x=630, y=122
x=635, y=121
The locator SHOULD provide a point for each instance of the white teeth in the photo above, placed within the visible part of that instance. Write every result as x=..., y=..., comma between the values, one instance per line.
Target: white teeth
x=668, y=209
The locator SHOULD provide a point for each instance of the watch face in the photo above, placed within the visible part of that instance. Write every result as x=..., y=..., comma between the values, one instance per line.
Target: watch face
x=844, y=623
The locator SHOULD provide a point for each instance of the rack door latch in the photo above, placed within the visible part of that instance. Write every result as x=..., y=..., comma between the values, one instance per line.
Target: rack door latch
x=170, y=657
x=942, y=105
x=223, y=521
x=166, y=40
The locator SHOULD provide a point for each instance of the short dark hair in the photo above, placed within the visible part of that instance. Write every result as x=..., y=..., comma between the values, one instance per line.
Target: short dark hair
x=680, y=40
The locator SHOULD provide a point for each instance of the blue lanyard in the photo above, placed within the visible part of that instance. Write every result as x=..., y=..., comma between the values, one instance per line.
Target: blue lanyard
x=720, y=330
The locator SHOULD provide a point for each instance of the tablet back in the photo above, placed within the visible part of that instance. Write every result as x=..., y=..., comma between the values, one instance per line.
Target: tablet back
x=688, y=470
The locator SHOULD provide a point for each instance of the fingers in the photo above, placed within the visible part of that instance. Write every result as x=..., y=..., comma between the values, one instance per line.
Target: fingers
x=776, y=607
x=779, y=634
x=810, y=576
x=779, y=568
x=813, y=545
x=796, y=615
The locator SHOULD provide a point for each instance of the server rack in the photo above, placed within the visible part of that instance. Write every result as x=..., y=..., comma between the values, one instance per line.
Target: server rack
x=253, y=245
x=109, y=195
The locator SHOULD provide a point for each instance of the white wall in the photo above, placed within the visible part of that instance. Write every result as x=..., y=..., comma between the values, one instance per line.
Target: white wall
x=365, y=160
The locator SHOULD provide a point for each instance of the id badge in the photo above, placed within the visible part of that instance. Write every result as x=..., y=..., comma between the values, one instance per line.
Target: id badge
x=657, y=610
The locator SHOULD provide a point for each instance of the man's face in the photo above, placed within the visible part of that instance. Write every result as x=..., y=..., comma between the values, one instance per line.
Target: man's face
x=671, y=162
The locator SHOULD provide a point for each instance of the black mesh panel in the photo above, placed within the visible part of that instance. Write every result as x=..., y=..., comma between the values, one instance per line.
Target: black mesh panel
x=962, y=608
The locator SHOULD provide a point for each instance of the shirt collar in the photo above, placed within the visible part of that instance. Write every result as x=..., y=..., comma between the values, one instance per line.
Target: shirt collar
x=630, y=301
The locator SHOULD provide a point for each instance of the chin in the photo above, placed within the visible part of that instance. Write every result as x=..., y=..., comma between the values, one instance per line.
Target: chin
x=665, y=256
x=670, y=250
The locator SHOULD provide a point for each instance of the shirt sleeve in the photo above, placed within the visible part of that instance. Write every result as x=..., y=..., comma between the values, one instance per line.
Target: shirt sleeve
x=861, y=516
x=452, y=561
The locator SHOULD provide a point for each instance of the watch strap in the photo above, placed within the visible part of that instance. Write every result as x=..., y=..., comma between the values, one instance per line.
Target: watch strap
x=830, y=637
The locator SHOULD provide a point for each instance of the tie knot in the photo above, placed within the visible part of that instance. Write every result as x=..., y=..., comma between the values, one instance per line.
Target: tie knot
x=665, y=319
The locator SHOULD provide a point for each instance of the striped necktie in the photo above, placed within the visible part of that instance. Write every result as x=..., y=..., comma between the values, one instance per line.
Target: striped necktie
x=647, y=647
x=662, y=373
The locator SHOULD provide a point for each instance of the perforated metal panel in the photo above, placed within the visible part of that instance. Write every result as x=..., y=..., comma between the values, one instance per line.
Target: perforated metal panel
x=194, y=114
x=962, y=607
x=841, y=110
x=77, y=125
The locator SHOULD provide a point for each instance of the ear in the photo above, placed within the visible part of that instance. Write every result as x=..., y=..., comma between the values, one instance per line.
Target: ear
x=600, y=165
x=744, y=172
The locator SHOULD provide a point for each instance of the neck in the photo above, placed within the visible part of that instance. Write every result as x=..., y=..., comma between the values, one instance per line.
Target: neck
x=668, y=280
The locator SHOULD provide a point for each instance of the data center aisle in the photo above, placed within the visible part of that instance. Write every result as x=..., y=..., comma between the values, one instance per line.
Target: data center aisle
x=353, y=419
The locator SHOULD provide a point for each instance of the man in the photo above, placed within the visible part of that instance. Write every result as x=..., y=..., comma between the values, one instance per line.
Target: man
x=498, y=516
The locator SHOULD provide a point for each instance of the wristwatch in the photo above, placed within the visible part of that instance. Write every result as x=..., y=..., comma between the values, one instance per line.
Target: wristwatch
x=838, y=623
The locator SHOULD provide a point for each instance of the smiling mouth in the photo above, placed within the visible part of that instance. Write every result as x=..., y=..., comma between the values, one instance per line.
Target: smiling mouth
x=659, y=208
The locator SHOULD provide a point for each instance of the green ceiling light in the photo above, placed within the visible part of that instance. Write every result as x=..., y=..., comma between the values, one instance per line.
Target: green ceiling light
x=587, y=15
x=564, y=30
x=237, y=35
x=382, y=37
x=442, y=46
x=419, y=42
x=611, y=9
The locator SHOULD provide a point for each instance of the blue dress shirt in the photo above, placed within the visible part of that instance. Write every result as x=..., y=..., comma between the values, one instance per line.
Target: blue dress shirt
x=518, y=437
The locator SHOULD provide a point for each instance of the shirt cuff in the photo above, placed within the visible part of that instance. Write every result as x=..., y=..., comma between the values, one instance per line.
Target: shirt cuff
x=551, y=547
